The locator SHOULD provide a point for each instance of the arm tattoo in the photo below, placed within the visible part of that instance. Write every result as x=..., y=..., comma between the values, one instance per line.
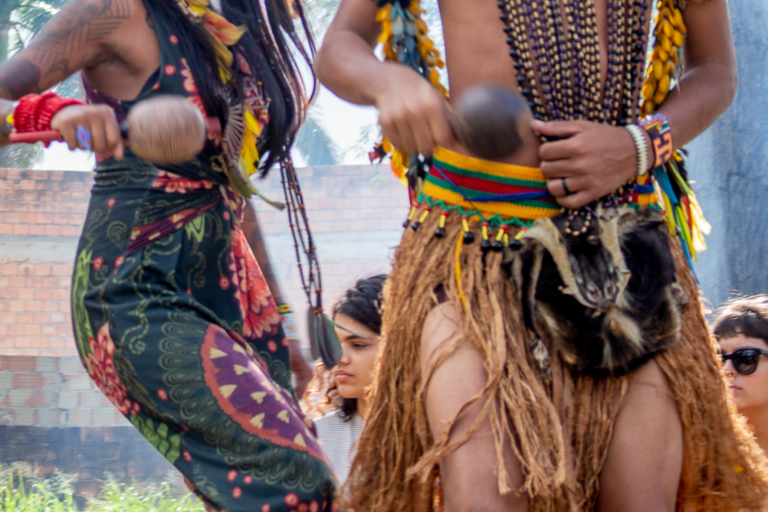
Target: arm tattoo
x=59, y=51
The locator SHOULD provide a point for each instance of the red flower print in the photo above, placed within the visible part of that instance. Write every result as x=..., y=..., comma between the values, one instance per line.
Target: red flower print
x=237, y=492
x=173, y=39
x=232, y=475
x=303, y=507
x=226, y=215
x=104, y=374
x=291, y=500
x=119, y=260
x=257, y=306
x=224, y=283
x=248, y=479
x=111, y=202
x=170, y=69
x=187, y=456
x=189, y=81
x=174, y=184
x=97, y=263
x=265, y=508
x=272, y=346
x=313, y=507
x=156, y=87
x=162, y=394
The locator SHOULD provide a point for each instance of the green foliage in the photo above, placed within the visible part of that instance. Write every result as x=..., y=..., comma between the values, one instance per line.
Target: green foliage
x=22, y=491
x=117, y=497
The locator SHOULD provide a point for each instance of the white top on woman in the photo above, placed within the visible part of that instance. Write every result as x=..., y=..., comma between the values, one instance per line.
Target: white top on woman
x=338, y=438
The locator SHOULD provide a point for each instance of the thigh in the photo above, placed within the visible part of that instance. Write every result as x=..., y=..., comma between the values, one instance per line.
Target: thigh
x=468, y=473
x=645, y=457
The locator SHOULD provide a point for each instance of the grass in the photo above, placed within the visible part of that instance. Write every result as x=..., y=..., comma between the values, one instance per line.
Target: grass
x=22, y=491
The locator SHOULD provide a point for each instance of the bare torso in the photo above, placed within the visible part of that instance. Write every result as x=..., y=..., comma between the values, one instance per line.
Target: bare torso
x=476, y=53
x=128, y=58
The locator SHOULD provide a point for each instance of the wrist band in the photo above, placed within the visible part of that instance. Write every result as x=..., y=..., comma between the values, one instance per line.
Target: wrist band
x=641, y=146
x=34, y=112
x=658, y=129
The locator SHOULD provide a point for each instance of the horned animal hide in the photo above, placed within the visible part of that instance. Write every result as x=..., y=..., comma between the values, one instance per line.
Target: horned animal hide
x=603, y=292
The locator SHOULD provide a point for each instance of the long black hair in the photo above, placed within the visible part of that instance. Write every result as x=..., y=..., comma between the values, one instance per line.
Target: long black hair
x=265, y=48
x=361, y=303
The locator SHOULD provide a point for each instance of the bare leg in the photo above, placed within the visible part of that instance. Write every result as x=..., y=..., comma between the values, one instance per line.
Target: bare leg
x=468, y=473
x=645, y=459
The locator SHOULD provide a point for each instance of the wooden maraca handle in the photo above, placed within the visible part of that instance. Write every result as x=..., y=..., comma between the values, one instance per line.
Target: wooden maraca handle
x=486, y=121
x=165, y=130
x=32, y=137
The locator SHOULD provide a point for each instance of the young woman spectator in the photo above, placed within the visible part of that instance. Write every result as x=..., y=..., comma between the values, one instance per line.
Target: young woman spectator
x=358, y=325
x=741, y=328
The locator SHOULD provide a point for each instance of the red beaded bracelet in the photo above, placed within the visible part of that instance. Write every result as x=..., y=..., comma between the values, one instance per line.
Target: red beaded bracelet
x=35, y=111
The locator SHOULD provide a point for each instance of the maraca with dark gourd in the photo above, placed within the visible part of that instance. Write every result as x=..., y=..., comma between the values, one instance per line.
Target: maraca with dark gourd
x=489, y=121
x=166, y=130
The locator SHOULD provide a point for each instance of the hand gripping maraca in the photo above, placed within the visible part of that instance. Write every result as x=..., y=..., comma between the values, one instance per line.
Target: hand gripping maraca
x=165, y=130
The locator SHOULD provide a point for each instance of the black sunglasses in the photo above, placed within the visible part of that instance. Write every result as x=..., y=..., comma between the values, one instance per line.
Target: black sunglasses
x=744, y=359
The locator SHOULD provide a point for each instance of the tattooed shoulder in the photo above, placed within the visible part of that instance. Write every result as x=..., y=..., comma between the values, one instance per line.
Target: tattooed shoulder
x=64, y=46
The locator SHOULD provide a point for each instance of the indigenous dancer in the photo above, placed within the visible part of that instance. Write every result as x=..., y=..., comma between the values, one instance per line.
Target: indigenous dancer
x=566, y=366
x=172, y=315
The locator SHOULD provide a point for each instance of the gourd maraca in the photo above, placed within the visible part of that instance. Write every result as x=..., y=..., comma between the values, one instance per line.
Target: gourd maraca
x=166, y=130
x=487, y=121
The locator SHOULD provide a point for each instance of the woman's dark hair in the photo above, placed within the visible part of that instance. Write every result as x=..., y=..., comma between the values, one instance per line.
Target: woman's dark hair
x=743, y=315
x=265, y=48
x=361, y=303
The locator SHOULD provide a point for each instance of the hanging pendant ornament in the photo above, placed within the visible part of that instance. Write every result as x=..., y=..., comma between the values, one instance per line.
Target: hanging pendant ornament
x=405, y=40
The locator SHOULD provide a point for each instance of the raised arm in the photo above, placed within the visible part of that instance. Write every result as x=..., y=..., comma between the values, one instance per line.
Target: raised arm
x=709, y=82
x=411, y=111
x=77, y=37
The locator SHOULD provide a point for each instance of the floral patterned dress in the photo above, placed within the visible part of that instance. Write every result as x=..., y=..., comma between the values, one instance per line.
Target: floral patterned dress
x=175, y=323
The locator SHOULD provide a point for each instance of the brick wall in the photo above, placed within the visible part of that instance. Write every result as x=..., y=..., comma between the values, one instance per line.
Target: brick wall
x=51, y=414
x=355, y=214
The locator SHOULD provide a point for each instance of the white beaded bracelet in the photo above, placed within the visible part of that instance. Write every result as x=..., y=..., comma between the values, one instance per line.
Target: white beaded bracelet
x=641, y=145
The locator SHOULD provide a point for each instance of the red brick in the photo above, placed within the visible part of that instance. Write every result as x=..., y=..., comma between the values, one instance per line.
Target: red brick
x=22, y=364
x=79, y=417
x=3, y=361
x=27, y=380
x=30, y=398
x=24, y=416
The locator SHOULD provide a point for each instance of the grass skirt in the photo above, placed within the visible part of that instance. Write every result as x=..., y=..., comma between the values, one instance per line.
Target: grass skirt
x=563, y=426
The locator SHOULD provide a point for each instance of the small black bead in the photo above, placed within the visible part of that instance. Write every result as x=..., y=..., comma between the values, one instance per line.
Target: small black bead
x=497, y=246
x=415, y=225
x=440, y=232
x=469, y=237
x=485, y=246
x=518, y=65
x=515, y=244
x=406, y=223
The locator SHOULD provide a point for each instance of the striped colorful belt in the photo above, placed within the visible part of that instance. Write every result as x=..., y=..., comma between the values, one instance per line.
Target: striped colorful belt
x=494, y=188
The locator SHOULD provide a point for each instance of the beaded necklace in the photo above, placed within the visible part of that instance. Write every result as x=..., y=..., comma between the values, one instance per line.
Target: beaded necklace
x=556, y=53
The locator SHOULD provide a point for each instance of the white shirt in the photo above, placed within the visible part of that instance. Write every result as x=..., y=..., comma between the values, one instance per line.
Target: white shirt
x=338, y=437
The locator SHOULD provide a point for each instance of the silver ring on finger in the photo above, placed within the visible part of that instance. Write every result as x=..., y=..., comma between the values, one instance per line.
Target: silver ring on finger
x=564, y=182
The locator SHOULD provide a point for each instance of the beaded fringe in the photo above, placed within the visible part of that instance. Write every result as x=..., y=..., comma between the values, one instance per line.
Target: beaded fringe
x=563, y=426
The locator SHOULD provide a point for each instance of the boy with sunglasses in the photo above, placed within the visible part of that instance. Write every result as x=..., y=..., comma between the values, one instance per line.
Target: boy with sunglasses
x=741, y=328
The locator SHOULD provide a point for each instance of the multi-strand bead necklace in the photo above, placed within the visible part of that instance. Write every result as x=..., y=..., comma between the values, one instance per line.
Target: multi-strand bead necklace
x=556, y=54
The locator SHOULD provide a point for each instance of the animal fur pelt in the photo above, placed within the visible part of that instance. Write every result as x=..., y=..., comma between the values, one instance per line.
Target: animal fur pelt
x=603, y=292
